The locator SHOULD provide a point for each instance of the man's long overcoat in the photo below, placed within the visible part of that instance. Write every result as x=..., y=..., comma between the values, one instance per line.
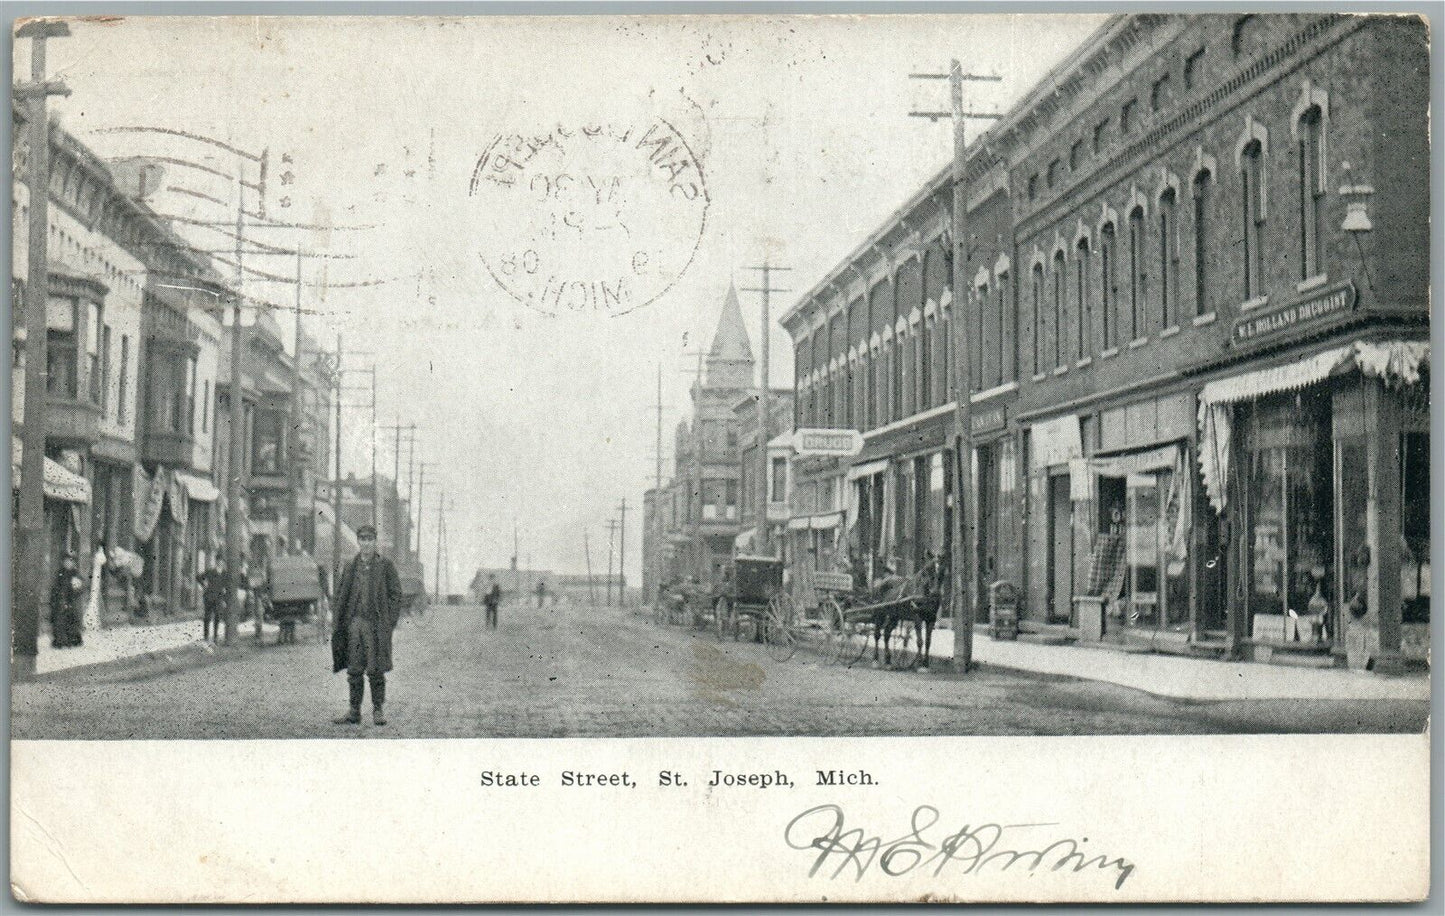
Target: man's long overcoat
x=386, y=595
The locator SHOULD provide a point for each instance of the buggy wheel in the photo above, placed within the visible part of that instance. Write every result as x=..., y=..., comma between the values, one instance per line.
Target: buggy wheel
x=854, y=644
x=721, y=614
x=777, y=632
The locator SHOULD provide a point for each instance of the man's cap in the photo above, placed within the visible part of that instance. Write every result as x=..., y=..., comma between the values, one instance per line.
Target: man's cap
x=366, y=531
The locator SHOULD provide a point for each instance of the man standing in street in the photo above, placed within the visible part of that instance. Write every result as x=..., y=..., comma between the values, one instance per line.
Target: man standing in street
x=368, y=604
x=491, y=599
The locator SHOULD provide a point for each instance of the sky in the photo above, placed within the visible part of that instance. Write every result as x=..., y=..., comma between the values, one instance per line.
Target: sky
x=794, y=131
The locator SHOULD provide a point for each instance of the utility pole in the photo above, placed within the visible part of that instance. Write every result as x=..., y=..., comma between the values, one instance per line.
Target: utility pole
x=764, y=406
x=336, y=481
x=293, y=452
x=30, y=574
x=441, y=525
x=235, y=486
x=622, y=557
x=374, y=492
x=966, y=504
x=516, y=558
x=398, y=551
x=611, y=538
x=591, y=586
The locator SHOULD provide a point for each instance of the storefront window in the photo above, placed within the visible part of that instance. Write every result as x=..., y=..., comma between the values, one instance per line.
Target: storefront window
x=1415, y=519
x=1157, y=550
x=1290, y=516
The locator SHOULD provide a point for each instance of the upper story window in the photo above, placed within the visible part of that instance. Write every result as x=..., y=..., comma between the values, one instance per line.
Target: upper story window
x=62, y=370
x=1076, y=155
x=122, y=407
x=1127, y=116
x=1168, y=259
x=1034, y=186
x=1101, y=136
x=105, y=371
x=1108, y=286
x=1136, y=273
x=1193, y=70
x=1036, y=316
x=980, y=307
x=1053, y=173
x=1058, y=316
x=1159, y=93
x=1203, y=238
x=268, y=441
x=1311, y=192
x=1084, y=308
x=1008, y=331
x=1251, y=174
x=1242, y=37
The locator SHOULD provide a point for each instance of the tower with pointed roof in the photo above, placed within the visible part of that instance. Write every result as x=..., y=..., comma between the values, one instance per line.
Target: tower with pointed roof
x=730, y=359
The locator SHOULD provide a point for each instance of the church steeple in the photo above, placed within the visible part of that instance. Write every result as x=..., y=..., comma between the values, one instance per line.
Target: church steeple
x=730, y=359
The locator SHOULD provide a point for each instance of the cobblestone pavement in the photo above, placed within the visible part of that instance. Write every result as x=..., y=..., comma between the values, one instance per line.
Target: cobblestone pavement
x=597, y=671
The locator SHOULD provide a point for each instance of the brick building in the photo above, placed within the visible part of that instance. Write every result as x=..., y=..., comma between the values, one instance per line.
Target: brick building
x=1198, y=271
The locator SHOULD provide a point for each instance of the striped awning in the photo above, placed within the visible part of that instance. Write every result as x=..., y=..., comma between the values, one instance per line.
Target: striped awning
x=59, y=483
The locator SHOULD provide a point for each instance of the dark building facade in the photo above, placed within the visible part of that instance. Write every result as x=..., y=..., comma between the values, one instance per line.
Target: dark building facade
x=1198, y=271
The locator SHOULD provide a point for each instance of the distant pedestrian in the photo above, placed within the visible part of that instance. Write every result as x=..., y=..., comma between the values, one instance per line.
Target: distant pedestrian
x=491, y=598
x=541, y=593
x=215, y=590
x=368, y=605
x=65, y=594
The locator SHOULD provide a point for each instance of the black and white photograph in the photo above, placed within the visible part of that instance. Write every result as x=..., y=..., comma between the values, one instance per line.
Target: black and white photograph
x=1034, y=400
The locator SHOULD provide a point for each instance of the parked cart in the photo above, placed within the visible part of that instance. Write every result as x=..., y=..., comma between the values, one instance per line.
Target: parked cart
x=292, y=593
x=895, y=615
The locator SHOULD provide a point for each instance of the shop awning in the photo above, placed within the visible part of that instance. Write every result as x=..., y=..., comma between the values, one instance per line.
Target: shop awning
x=57, y=482
x=1154, y=459
x=800, y=523
x=824, y=522
x=743, y=541
x=198, y=488
x=867, y=469
x=1397, y=362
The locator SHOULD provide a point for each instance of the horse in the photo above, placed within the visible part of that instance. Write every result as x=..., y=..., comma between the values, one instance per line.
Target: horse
x=914, y=599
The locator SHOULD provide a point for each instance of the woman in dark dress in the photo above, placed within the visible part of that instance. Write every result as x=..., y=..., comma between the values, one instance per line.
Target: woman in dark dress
x=65, y=594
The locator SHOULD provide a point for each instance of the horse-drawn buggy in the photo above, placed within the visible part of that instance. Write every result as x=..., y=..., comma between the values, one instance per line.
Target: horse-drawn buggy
x=896, y=614
x=752, y=600
x=292, y=592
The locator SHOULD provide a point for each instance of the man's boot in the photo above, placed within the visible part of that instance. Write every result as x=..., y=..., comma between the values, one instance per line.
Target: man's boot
x=378, y=698
x=353, y=717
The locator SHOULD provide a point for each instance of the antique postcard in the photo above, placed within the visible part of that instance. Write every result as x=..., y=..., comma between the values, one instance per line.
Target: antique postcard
x=760, y=458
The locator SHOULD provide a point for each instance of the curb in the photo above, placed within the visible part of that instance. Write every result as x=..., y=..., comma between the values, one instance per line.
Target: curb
x=147, y=664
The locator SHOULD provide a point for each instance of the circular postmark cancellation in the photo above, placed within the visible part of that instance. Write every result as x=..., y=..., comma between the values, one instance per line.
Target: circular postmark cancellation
x=597, y=218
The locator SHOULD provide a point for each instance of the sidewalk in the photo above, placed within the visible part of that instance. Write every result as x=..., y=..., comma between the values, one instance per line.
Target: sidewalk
x=1189, y=678
x=124, y=643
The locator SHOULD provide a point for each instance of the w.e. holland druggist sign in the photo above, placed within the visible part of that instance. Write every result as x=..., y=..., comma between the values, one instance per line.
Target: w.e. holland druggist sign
x=1328, y=303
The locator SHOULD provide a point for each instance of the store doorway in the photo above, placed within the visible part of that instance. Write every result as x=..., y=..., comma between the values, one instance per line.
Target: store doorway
x=1061, y=549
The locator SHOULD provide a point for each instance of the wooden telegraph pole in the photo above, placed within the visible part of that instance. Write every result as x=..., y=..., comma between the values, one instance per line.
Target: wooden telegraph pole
x=29, y=572
x=765, y=391
x=966, y=505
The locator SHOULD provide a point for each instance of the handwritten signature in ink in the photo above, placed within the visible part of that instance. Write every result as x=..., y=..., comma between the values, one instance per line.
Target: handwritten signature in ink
x=929, y=846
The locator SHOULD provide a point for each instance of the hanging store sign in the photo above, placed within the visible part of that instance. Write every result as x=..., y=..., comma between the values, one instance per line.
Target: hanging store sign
x=1328, y=303
x=150, y=513
x=841, y=442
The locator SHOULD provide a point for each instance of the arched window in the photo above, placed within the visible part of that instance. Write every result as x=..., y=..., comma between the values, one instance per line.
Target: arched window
x=1108, y=286
x=1311, y=193
x=1251, y=173
x=1136, y=273
x=1036, y=317
x=1058, y=317
x=1084, y=310
x=978, y=346
x=925, y=363
x=1008, y=336
x=1168, y=260
x=1203, y=191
